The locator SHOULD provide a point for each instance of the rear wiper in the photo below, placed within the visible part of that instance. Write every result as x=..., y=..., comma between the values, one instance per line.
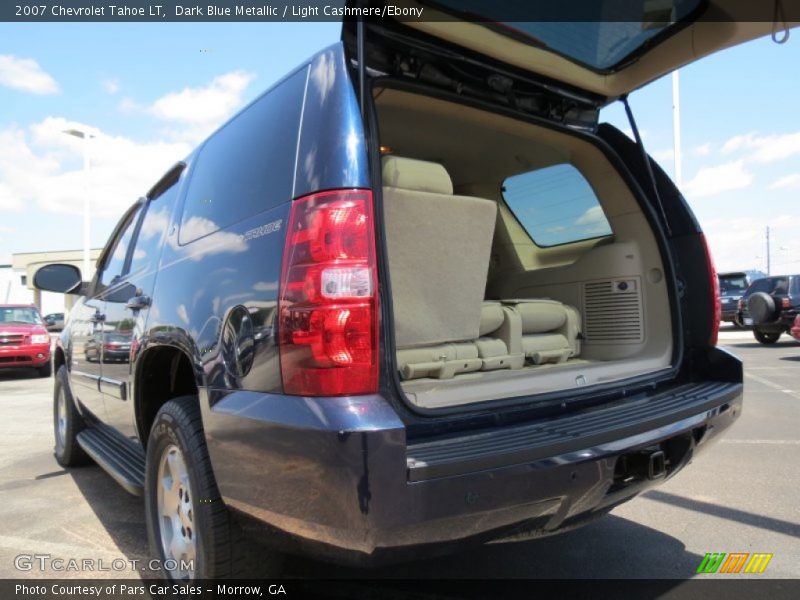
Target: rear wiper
x=646, y=159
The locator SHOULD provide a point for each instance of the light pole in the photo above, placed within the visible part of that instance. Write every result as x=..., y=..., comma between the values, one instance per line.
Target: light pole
x=769, y=255
x=85, y=136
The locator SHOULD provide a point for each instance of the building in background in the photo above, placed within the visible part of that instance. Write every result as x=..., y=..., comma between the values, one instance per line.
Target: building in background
x=16, y=279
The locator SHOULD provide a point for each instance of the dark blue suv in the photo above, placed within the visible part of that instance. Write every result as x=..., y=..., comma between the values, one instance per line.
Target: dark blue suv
x=413, y=296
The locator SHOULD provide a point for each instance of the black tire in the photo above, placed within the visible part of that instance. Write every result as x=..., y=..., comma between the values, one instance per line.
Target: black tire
x=45, y=371
x=766, y=337
x=67, y=451
x=737, y=322
x=221, y=549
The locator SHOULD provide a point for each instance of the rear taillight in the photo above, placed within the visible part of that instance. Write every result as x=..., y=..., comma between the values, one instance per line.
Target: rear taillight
x=716, y=308
x=329, y=296
x=786, y=303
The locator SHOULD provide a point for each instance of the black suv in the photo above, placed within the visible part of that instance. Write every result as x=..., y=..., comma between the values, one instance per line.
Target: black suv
x=731, y=288
x=413, y=296
x=770, y=306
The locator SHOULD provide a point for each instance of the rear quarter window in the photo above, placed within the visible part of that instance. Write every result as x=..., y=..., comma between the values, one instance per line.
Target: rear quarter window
x=247, y=166
x=555, y=205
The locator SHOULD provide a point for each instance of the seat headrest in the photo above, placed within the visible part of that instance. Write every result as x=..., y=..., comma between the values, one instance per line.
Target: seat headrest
x=417, y=175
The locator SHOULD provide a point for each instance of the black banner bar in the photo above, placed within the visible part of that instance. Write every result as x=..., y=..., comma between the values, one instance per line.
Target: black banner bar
x=705, y=588
x=781, y=12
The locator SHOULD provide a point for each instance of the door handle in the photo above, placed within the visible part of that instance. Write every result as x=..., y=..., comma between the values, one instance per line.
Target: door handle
x=97, y=317
x=138, y=302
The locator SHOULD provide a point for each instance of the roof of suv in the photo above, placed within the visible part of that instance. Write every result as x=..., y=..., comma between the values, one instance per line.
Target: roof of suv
x=779, y=277
x=792, y=282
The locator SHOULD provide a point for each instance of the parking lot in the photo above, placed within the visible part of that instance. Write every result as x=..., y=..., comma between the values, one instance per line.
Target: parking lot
x=740, y=496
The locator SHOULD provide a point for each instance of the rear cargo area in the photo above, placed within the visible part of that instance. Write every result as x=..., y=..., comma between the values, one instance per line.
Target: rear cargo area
x=520, y=261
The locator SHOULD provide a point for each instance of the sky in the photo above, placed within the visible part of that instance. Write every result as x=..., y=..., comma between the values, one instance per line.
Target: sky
x=149, y=92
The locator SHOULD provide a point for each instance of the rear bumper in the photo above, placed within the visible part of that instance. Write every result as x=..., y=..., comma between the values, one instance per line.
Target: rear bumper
x=784, y=323
x=29, y=355
x=334, y=477
x=116, y=354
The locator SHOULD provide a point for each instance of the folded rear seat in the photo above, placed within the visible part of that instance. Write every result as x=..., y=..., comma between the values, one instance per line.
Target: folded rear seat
x=438, y=249
x=500, y=344
x=551, y=331
x=442, y=361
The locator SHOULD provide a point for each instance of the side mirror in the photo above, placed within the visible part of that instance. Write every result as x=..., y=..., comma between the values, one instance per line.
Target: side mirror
x=65, y=279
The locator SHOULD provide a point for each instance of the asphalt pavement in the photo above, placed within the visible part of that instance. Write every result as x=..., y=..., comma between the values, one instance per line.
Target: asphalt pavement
x=739, y=496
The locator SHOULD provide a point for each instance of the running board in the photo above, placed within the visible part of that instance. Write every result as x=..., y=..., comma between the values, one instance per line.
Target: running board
x=119, y=457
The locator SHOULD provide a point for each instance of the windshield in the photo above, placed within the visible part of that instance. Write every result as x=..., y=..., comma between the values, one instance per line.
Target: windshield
x=595, y=34
x=733, y=284
x=19, y=316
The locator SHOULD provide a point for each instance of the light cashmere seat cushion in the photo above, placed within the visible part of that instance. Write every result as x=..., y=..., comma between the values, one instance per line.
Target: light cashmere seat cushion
x=550, y=330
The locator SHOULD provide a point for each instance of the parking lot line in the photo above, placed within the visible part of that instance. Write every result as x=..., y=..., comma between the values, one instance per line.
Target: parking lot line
x=777, y=442
x=14, y=542
x=772, y=385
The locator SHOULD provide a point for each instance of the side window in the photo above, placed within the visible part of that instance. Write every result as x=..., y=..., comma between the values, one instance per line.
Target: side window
x=114, y=267
x=781, y=286
x=247, y=166
x=153, y=230
x=555, y=205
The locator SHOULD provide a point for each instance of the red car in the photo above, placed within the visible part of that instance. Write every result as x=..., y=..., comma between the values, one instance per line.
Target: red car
x=795, y=330
x=24, y=341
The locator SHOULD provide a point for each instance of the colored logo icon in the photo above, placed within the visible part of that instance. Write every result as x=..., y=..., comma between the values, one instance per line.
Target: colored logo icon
x=735, y=562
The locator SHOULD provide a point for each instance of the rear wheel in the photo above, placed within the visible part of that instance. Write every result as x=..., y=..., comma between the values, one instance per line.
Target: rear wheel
x=67, y=424
x=188, y=525
x=767, y=337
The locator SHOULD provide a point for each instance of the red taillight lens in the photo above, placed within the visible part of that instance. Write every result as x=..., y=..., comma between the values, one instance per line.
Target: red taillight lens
x=716, y=310
x=786, y=303
x=329, y=296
